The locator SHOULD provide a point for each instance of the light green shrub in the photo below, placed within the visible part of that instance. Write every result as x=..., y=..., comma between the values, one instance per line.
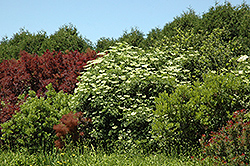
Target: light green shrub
x=32, y=127
x=118, y=93
x=200, y=53
x=192, y=110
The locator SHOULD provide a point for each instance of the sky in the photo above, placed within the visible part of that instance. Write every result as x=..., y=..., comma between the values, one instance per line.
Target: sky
x=95, y=18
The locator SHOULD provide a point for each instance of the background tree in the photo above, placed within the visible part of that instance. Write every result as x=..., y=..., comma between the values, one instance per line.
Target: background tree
x=135, y=37
x=67, y=38
x=22, y=40
x=153, y=36
x=104, y=43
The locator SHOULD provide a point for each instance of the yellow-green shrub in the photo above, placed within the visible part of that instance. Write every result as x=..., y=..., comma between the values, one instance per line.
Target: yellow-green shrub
x=32, y=127
x=192, y=110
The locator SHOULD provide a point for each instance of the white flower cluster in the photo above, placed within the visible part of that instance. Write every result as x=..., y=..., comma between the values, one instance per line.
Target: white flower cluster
x=242, y=58
x=124, y=82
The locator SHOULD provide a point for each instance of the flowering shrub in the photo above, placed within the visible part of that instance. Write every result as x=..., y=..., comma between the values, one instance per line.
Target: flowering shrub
x=231, y=144
x=74, y=127
x=118, y=93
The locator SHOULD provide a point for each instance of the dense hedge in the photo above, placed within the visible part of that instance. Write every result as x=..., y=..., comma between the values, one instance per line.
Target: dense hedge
x=67, y=38
x=235, y=19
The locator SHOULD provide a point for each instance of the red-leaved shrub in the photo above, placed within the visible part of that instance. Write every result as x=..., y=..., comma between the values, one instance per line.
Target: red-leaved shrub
x=74, y=127
x=231, y=144
x=32, y=72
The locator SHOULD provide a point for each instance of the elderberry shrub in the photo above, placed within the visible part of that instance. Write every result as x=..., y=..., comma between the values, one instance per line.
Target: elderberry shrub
x=117, y=92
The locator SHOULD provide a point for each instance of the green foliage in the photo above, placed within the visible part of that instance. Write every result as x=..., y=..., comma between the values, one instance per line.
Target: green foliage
x=152, y=38
x=186, y=21
x=201, y=53
x=192, y=110
x=243, y=71
x=104, y=43
x=243, y=68
x=134, y=38
x=233, y=18
x=23, y=40
x=32, y=127
x=216, y=53
x=231, y=144
x=67, y=38
x=118, y=93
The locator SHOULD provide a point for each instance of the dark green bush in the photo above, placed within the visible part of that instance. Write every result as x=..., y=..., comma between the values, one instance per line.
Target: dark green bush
x=134, y=38
x=32, y=127
x=153, y=36
x=235, y=19
x=66, y=38
x=186, y=21
x=103, y=44
x=192, y=110
x=23, y=40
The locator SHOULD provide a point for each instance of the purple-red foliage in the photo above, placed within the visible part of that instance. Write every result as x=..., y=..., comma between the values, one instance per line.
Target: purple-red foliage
x=231, y=144
x=32, y=72
x=74, y=125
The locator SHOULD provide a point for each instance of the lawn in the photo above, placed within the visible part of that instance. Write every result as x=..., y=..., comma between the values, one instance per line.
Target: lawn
x=91, y=157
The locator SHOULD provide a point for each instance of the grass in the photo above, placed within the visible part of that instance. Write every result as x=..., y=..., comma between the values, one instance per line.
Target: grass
x=92, y=158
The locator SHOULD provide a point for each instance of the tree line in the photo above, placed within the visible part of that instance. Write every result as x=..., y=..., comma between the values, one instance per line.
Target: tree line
x=234, y=19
